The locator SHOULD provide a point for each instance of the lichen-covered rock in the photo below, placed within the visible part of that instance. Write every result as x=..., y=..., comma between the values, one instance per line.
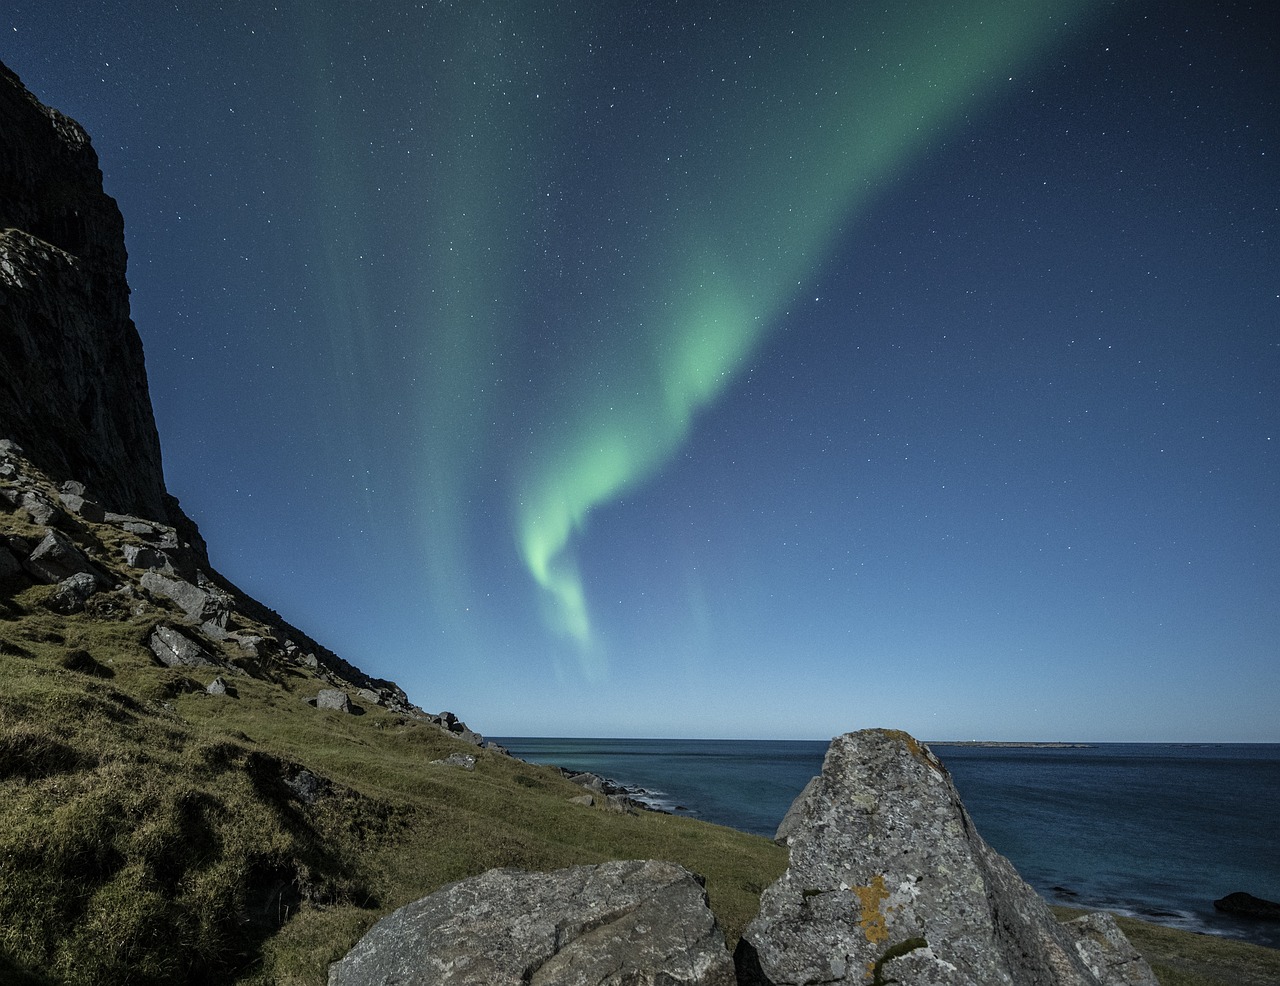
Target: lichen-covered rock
x=635, y=923
x=41, y=511
x=333, y=698
x=464, y=760
x=1108, y=953
x=889, y=880
x=208, y=606
x=56, y=558
x=177, y=650
x=81, y=507
x=142, y=556
x=73, y=592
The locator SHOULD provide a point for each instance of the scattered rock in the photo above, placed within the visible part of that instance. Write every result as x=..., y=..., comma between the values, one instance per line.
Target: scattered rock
x=451, y=723
x=592, y=782
x=464, y=760
x=889, y=880
x=42, y=511
x=621, y=804
x=205, y=606
x=176, y=650
x=143, y=556
x=77, y=504
x=306, y=786
x=219, y=686
x=333, y=698
x=73, y=592
x=1108, y=953
x=639, y=923
x=252, y=644
x=1246, y=905
x=56, y=558
x=586, y=800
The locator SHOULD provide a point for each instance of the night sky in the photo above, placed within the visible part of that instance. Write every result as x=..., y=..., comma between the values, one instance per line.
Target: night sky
x=719, y=369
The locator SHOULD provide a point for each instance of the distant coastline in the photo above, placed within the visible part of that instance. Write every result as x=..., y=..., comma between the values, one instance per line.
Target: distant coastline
x=1014, y=745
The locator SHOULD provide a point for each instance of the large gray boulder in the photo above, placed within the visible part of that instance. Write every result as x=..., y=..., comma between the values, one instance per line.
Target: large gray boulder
x=176, y=650
x=889, y=881
x=333, y=698
x=206, y=606
x=55, y=558
x=635, y=923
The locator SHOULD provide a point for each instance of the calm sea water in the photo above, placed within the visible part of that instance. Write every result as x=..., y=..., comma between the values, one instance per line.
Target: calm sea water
x=1154, y=830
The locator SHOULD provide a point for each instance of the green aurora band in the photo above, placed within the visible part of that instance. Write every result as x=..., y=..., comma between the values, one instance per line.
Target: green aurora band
x=784, y=170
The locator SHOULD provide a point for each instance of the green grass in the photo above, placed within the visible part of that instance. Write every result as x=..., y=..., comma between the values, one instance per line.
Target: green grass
x=148, y=832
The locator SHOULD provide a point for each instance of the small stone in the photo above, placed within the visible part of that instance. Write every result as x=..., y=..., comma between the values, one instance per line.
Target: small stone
x=217, y=686
x=142, y=556
x=40, y=510
x=333, y=698
x=72, y=593
x=306, y=786
x=464, y=760
x=88, y=509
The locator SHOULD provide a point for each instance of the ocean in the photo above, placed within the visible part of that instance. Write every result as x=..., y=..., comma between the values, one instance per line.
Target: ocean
x=1153, y=830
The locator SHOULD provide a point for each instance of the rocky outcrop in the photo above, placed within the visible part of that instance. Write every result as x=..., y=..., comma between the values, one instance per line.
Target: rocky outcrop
x=636, y=923
x=119, y=560
x=73, y=385
x=889, y=881
x=333, y=698
x=1246, y=905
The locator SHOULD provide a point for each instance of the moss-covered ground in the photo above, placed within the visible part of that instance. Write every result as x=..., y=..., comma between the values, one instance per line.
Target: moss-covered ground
x=148, y=832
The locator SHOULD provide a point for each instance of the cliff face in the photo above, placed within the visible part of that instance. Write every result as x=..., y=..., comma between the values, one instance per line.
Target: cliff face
x=73, y=384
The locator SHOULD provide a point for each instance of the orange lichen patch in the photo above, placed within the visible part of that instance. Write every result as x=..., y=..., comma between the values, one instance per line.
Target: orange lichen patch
x=917, y=749
x=871, y=918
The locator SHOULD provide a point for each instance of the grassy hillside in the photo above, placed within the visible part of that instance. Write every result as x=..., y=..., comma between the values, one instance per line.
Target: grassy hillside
x=153, y=833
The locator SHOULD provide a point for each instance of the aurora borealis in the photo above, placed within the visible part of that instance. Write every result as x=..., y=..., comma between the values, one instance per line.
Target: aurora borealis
x=772, y=172
x=719, y=369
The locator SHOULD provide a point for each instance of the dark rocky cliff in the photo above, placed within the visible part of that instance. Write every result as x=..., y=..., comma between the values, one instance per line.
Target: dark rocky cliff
x=73, y=383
